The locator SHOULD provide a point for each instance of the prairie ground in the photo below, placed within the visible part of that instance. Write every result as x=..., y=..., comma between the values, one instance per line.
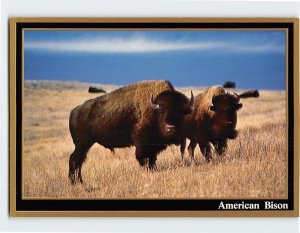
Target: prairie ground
x=255, y=165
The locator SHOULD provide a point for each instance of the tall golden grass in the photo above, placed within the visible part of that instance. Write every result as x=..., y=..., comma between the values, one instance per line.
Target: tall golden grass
x=255, y=165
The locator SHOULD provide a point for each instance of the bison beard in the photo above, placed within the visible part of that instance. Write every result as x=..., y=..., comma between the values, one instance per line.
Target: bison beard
x=147, y=115
x=212, y=121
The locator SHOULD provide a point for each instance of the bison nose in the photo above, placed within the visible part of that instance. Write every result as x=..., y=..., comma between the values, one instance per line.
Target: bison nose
x=169, y=127
x=230, y=124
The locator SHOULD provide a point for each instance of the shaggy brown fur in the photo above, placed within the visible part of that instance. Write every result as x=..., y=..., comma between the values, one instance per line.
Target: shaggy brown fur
x=213, y=120
x=127, y=117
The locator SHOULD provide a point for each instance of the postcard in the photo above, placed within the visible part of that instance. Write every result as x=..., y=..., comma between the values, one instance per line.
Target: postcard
x=154, y=117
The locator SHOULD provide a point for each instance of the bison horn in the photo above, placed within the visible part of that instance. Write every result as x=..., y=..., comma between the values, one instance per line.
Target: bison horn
x=213, y=99
x=154, y=105
x=192, y=99
x=238, y=97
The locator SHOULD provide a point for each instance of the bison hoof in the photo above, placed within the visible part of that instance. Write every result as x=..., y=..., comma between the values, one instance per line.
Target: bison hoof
x=74, y=178
x=182, y=157
x=152, y=167
x=142, y=162
x=208, y=160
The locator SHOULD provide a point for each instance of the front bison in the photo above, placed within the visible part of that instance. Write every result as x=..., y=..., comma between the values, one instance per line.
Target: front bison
x=213, y=120
x=148, y=115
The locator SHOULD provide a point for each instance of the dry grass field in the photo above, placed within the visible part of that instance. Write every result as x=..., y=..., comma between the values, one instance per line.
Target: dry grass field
x=255, y=165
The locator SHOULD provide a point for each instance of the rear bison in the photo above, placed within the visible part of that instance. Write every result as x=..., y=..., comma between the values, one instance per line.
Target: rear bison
x=148, y=115
x=213, y=120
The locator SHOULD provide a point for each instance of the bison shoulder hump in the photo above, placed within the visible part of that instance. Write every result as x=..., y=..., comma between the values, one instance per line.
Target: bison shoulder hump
x=143, y=91
x=215, y=90
x=206, y=95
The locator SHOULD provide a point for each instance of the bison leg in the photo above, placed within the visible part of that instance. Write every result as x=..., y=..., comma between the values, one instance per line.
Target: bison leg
x=75, y=163
x=146, y=153
x=140, y=156
x=191, y=149
x=221, y=146
x=152, y=162
x=206, y=151
x=182, y=147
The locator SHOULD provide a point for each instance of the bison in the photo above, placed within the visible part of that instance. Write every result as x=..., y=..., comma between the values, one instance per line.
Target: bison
x=148, y=115
x=229, y=84
x=213, y=120
x=96, y=90
x=251, y=93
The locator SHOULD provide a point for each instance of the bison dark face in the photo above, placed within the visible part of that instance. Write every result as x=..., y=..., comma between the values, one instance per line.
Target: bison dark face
x=225, y=119
x=171, y=108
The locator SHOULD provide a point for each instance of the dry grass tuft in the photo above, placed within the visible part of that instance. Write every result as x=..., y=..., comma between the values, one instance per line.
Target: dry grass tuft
x=255, y=165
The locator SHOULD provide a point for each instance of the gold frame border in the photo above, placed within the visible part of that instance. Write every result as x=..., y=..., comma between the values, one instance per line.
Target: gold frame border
x=215, y=213
x=156, y=29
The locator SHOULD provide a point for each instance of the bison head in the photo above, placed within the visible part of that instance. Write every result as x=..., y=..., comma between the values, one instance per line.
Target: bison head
x=171, y=108
x=225, y=107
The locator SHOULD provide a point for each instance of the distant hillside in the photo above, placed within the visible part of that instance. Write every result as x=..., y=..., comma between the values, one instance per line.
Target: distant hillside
x=81, y=86
x=62, y=86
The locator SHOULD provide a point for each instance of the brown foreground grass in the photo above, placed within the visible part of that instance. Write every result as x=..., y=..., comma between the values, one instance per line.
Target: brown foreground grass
x=255, y=165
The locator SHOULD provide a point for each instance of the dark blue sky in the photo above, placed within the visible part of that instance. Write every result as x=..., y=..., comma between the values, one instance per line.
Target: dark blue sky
x=252, y=59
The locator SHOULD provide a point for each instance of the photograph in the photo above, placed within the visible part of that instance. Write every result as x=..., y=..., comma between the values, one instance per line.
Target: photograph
x=153, y=116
